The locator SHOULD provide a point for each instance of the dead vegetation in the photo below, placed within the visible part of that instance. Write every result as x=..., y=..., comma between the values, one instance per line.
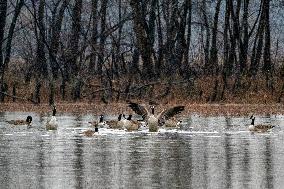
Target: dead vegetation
x=175, y=90
x=117, y=108
x=208, y=95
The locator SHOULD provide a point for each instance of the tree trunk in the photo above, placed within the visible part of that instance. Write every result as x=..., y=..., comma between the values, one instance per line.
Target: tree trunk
x=243, y=43
x=11, y=32
x=207, y=40
x=8, y=45
x=228, y=66
x=55, y=38
x=72, y=54
x=188, y=37
x=3, y=11
x=40, y=56
x=77, y=88
x=267, y=65
x=101, y=54
x=143, y=41
x=160, y=60
x=171, y=17
x=93, y=58
x=266, y=53
x=14, y=92
x=213, y=65
x=40, y=63
x=118, y=56
x=258, y=44
x=234, y=33
x=181, y=45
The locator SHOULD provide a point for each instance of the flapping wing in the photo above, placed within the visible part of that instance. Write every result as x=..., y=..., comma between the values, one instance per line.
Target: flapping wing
x=139, y=109
x=168, y=113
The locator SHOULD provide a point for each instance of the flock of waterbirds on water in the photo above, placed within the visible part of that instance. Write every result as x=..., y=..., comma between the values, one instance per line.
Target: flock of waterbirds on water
x=150, y=120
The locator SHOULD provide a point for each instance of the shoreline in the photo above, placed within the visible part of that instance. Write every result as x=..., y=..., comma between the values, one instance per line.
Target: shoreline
x=117, y=108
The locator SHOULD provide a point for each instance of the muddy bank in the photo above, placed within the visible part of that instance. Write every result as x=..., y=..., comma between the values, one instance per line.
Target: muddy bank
x=116, y=108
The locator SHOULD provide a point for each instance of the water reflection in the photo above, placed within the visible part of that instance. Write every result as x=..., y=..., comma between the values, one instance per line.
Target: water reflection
x=268, y=164
x=218, y=152
x=78, y=165
x=228, y=156
x=246, y=177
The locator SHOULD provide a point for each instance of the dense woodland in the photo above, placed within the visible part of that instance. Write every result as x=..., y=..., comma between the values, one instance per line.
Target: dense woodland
x=160, y=50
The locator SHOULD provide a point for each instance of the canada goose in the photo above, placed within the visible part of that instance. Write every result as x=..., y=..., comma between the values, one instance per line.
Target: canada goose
x=116, y=124
x=259, y=128
x=154, y=121
x=90, y=132
x=131, y=125
x=28, y=121
x=52, y=122
x=100, y=123
x=171, y=123
x=123, y=123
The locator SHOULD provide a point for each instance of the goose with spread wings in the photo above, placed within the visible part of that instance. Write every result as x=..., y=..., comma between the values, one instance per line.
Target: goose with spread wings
x=151, y=119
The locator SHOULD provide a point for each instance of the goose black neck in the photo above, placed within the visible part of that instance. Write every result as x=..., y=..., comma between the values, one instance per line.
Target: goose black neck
x=129, y=117
x=153, y=110
x=119, y=117
x=54, y=111
x=101, y=119
x=252, y=121
x=96, y=129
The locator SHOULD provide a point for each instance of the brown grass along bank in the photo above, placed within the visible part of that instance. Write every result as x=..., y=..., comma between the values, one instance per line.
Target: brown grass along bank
x=116, y=108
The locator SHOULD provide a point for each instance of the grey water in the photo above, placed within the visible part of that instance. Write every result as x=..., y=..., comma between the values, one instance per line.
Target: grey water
x=206, y=152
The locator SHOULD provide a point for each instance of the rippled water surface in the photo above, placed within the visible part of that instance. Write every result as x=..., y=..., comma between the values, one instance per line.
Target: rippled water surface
x=207, y=152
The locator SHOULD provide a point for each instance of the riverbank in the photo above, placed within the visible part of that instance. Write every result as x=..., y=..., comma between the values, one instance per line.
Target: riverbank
x=116, y=108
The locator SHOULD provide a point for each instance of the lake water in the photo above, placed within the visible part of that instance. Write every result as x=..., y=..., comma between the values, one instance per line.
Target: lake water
x=208, y=152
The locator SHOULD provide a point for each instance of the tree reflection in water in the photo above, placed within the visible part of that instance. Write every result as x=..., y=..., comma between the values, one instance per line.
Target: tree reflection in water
x=217, y=153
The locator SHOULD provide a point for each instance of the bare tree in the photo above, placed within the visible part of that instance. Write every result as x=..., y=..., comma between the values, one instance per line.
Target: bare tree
x=205, y=27
x=143, y=40
x=4, y=87
x=95, y=18
x=3, y=11
x=188, y=37
x=228, y=65
x=101, y=53
x=181, y=40
x=266, y=53
x=267, y=64
x=56, y=24
x=244, y=41
x=73, y=44
x=258, y=43
x=213, y=62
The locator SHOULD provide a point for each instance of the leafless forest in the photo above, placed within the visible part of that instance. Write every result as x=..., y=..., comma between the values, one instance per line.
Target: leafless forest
x=159, y=50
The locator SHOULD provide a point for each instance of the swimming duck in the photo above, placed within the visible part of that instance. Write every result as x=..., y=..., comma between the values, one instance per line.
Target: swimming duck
x=259, y=128
x=154, y=121
x=28, y=121
x=52, y=122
